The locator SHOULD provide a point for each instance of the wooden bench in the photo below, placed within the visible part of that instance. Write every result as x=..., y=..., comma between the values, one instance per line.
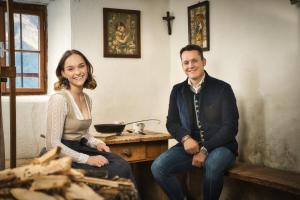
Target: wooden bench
x=272, y=178
x=269, y=177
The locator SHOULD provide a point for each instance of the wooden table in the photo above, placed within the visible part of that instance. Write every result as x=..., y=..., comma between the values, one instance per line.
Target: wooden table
x=140, y=151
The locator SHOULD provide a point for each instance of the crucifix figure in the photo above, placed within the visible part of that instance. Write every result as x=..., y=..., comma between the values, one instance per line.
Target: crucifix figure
x=168, y=18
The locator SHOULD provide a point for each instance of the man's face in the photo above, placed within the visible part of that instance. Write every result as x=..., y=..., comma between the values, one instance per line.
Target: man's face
x=193, y=65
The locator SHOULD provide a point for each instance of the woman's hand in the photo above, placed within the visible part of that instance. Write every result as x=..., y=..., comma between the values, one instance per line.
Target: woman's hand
x=97, y=161
x=102, y=147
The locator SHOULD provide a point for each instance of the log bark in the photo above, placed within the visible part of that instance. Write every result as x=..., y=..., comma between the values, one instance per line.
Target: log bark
x=81, y=191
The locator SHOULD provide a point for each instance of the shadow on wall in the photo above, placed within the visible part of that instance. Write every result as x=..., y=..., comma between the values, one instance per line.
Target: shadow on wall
x=251, y=135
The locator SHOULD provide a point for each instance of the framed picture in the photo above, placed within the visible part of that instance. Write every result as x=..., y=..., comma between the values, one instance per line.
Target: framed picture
x=121, y=33
x=198, y=23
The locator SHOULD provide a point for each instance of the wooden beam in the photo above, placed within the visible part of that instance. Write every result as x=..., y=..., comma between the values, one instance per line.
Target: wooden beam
x=12, y=85
x=2, y=147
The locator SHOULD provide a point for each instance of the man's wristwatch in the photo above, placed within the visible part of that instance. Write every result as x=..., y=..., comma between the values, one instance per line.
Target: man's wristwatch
x=204, y=150
x=184, y=138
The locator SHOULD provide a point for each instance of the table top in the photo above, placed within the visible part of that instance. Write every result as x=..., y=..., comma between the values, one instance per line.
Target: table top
x=127, y=137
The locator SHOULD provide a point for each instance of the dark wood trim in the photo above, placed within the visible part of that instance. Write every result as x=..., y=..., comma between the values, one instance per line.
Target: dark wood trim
x=2, y=39
x=26, y=51
x=24, y=7
x=106, y=53
x=12, y=84
x=8, y=72
x=205, y=5
x=43, y=49
x=2, y=146
x=28, y=75
x=41, y=11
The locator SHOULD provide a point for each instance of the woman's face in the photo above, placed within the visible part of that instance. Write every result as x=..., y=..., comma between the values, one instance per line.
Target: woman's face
x=75, y=70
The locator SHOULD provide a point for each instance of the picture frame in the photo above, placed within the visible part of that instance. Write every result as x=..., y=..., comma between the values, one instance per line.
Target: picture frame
x=122, y=36
x=198, y=24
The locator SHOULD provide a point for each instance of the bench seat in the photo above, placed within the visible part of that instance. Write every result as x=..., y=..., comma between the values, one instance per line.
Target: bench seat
x=269, y=177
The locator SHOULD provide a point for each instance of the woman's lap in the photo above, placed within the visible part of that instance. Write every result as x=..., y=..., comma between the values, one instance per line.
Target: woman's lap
x=117, y=166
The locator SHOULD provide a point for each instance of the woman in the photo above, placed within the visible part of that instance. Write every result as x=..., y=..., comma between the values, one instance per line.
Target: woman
x=69, y=119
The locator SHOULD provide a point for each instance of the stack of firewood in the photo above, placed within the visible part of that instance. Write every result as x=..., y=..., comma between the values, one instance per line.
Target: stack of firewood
x=47, y=178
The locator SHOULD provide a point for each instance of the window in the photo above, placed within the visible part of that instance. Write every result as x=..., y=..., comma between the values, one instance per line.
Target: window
x=30, y=47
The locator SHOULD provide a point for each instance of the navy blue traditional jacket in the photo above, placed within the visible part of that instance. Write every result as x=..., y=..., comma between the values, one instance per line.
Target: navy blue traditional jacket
x=218, y=114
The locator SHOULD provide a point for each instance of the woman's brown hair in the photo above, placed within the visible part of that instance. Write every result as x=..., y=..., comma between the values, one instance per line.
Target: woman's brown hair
x=62, y=82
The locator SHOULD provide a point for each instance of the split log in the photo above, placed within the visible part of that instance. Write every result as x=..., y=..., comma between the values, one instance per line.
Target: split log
x=97, y=181
x=50, y=182
x=105, y=182
x=82, y=191
x=24, y=194
x=28, y=172
x=118, y=193
x=58, y=197
x=50, y=155
x=7, y=175
x=112, y=189
x=4, y=192
x=51, y=179
x=110, y=193
x=75, y=173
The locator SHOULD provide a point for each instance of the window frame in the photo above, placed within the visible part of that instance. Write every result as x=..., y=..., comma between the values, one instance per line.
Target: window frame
x=41, y=12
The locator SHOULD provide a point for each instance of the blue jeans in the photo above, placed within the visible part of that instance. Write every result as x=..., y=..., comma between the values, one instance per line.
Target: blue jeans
x=176, y=160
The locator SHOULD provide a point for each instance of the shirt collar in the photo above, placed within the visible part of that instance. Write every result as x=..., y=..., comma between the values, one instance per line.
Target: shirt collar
x=196, y=88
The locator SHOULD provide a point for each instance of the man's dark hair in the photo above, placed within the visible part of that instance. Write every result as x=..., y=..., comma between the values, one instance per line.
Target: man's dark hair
x=192, y=47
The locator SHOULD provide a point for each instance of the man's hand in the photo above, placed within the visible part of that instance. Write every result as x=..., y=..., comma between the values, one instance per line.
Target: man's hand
x=191, y=146
x=97, y=161
x=198, y=159
x=102, y=147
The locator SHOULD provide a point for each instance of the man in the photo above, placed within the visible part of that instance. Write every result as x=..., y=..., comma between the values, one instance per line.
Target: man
x=203, y=118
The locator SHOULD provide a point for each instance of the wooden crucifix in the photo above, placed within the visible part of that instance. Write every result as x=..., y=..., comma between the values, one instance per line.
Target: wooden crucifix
x=168, y=18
